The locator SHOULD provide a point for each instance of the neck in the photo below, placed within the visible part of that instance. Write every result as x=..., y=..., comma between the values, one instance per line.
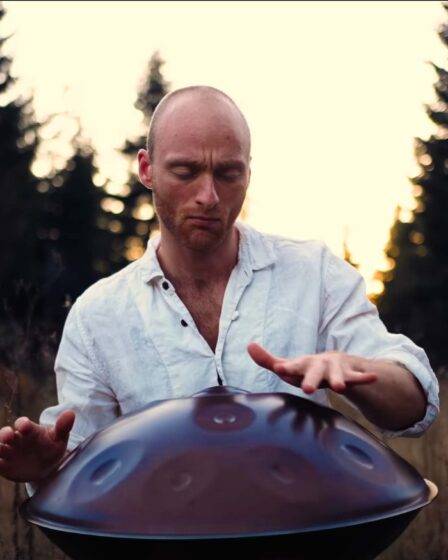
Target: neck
x=181, y=263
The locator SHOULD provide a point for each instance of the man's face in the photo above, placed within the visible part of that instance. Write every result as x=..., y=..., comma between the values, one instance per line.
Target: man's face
x=199, y=172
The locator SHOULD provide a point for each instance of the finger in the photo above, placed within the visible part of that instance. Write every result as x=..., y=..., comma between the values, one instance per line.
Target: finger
x=313, y=377
x=335, y=378
x=24, y=425
x=5, y=451
x=63, y=426
x=26, y=430
x=7, y=435
x=353, y=377
x=295, y=367
x=262, y=357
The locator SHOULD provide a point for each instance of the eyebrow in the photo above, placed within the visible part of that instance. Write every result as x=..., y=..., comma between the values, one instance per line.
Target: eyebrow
x=231, y=163
x=179, y=162
x=183, y=161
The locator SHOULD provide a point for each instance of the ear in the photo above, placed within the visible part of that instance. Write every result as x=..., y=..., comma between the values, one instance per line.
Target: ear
x=249, y=174
x=145, y=168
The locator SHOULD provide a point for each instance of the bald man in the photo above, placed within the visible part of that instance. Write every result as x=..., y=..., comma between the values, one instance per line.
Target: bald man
x=213, y=301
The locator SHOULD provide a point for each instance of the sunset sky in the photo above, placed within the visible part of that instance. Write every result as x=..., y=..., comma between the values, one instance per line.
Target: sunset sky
x=334, y=93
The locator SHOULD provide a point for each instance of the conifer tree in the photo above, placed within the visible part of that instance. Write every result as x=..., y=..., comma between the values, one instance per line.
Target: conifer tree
x=76, y=242
x=137, y=218
x=18, y=195
x=415, y=297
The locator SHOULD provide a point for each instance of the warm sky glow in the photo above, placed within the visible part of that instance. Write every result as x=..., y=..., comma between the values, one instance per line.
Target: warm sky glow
x=333, y=91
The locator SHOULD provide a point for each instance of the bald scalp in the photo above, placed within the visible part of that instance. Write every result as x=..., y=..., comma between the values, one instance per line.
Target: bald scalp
x=195, y=94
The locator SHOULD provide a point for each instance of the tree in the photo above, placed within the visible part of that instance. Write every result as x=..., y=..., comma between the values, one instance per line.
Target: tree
x=76, y=243
x=18, y=208
x=138, y=218
x=415, y=297
x=85, y=230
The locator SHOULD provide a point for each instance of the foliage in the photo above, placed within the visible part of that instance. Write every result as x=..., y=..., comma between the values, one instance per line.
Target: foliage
x=415, y=297
x=138, y=219
x=19, y=207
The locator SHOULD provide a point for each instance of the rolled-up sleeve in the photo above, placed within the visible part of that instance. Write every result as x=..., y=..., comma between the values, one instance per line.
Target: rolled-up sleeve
x=351, y=323
x=81, y=382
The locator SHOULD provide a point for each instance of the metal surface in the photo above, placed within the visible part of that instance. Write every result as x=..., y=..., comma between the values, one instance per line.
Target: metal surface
x=225, y=466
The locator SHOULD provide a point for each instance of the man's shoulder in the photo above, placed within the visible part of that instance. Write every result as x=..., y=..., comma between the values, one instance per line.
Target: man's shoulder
x=111, y=291
x=303, y=247
x=285, y=248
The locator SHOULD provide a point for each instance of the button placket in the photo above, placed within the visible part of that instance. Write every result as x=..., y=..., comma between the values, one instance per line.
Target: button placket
x=180, y=346
x=185, y=318
x=238, y=282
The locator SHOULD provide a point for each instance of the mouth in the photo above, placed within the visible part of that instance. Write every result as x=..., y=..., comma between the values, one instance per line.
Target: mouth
x=204, y=221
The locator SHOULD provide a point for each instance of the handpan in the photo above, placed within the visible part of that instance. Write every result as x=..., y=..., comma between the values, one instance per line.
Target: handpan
x=271, y=475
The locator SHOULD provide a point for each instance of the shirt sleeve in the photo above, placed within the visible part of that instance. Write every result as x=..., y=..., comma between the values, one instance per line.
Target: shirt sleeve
x=350, y=323
x=81, y=383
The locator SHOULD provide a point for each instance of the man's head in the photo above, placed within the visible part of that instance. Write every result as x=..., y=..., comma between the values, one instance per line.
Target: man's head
x=203, y=93
x=198, y=166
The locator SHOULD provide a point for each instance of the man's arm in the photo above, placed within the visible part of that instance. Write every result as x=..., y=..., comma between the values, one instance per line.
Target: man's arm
x=357, y=356
x=386, y=392
x=395, y=401
x=81, y=381
x=29, y=451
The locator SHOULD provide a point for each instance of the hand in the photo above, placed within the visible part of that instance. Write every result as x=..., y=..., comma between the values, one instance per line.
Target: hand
x=29, y=452
x=336, y=370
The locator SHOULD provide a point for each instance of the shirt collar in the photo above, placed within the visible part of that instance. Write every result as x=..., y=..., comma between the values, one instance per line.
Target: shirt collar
x=255, y=252
x=149, y=263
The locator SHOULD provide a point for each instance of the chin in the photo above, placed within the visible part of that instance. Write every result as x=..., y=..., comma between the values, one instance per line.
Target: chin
x=203, y=241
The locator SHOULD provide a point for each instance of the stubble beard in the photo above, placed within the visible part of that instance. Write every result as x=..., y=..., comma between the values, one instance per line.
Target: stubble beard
x=200, y=240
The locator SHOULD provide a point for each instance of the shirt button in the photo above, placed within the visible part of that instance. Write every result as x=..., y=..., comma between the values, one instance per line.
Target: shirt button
x=184, y=323
x=165, y=285
x=235, y=315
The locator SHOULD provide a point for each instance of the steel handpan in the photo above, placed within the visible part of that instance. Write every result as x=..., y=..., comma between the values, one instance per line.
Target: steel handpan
x=271, y=474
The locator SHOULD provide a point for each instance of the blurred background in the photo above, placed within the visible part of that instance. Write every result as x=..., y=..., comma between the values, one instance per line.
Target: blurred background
x=348, y=106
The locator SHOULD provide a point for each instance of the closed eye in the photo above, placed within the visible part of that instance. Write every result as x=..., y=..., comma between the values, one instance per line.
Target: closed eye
x=184, y=171
x=231, y=176
x=230, y=173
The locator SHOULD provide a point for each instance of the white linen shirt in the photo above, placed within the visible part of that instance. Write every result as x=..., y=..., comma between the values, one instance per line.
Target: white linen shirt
x=129, y=339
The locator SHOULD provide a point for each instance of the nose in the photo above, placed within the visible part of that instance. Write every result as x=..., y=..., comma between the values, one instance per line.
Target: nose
x=206, y=194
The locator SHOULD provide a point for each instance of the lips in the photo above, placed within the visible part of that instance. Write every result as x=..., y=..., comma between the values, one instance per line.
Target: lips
x=203, y=221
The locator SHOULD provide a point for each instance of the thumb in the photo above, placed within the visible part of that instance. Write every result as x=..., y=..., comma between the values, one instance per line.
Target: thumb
x=63, y=426
x=262, y=357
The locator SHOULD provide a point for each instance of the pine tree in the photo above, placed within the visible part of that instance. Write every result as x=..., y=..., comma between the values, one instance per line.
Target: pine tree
x=137, y=218
x=76, y=241
x=18, y=195
x=415, y=297
x=23, y=344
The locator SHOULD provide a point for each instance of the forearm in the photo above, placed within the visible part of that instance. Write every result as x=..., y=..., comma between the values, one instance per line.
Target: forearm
x=395, y=401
